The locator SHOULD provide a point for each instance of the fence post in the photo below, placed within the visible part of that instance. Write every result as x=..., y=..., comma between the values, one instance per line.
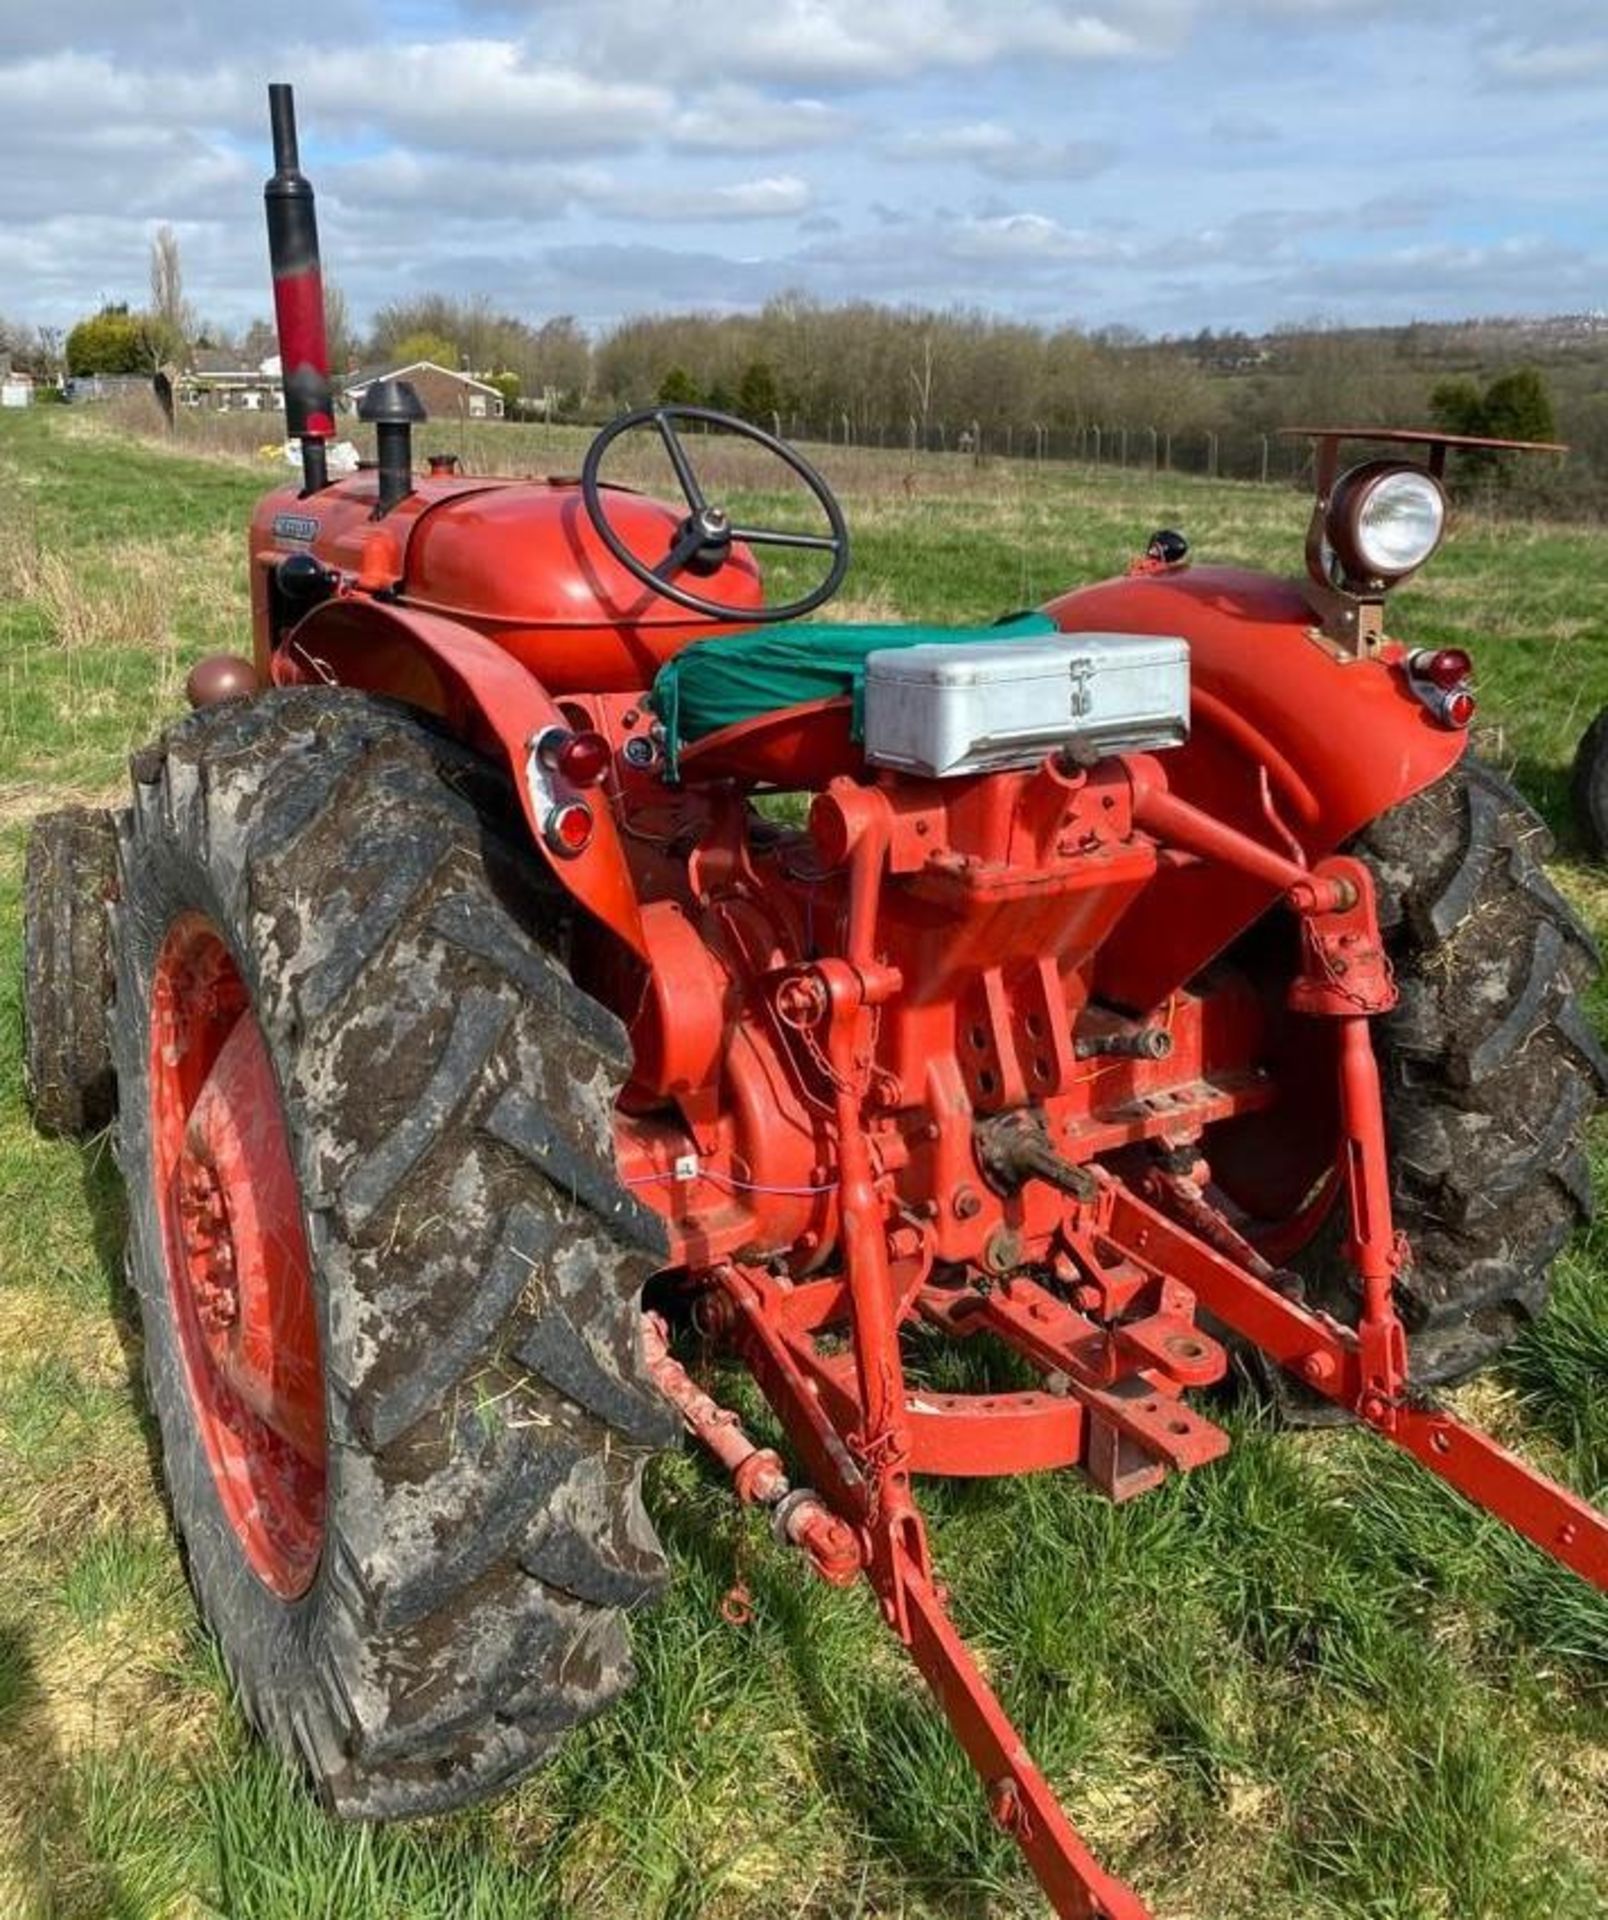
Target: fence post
x=1096, y=433
x=1038, y=441
x=1167, y=456
x=1211, y=455
x=1266, y=454
x=1123, y=461
x=776, y=423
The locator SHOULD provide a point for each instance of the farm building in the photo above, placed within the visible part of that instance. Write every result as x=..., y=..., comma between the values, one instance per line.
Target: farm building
x=221, y=382
x=446, y=395
x=16, y=389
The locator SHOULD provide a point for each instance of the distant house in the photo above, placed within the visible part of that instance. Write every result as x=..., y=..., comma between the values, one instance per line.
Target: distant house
x=16, y=389
x=446, y=395
x=219, y=381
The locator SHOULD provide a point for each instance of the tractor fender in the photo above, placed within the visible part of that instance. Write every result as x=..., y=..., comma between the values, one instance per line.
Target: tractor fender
x=488, y=700
x=1339, y=743
x=1342, y=740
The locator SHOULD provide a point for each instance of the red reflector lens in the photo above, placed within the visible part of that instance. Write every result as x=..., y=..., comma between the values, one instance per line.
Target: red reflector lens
x=1446, y=667
x=1457, y=710
x=583, y=759
x=569, y=828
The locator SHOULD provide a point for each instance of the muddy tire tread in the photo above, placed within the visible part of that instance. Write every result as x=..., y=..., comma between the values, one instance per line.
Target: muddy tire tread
x=1489, y=1067
x=69, y=879
x=486, y=1530
x=1589, y=787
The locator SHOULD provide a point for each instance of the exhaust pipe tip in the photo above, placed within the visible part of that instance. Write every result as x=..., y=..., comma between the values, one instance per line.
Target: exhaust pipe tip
x=392, y=407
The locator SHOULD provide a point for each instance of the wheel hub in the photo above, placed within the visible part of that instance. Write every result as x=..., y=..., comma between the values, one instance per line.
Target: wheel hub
x=208, y=1248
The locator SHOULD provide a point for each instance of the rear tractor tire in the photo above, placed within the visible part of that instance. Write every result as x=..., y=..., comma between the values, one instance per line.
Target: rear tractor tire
x=388, y=1275
x=1489, y=1068
x=69, y=881
x=1590, y=787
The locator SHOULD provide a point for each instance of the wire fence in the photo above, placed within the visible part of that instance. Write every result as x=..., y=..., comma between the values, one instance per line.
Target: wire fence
x=1268, y=458
x=881, y=456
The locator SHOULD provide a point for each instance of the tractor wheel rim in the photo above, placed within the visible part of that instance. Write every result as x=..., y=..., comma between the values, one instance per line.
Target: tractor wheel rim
x=235, y=1250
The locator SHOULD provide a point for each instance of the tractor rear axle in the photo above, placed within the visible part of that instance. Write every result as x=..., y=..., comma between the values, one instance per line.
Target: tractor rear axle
x=1112, y=1330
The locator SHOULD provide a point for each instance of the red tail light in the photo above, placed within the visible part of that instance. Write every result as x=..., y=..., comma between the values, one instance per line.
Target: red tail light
x=583, y=759
x=1438, y=677
x=1443, y=667
x=568, y=828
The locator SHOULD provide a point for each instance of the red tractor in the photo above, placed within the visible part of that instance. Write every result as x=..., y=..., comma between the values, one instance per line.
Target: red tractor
x=1156, y=985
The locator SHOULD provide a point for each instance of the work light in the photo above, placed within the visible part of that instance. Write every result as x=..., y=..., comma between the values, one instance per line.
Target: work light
x=1384, y=522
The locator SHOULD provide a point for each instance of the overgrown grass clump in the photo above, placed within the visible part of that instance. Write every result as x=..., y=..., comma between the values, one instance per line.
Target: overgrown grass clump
x=1304, y=1684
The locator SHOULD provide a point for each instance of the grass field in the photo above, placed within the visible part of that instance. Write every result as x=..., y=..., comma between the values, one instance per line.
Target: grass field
x=1305, y=1684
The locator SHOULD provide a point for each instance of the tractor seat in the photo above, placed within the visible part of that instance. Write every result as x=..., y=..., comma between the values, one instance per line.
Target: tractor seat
x=715, y=684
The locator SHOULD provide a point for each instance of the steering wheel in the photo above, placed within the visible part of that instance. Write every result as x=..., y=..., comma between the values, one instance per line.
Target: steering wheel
x=703, y=539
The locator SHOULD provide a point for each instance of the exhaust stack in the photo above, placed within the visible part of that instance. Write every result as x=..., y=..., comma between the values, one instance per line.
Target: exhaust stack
x=298, y=294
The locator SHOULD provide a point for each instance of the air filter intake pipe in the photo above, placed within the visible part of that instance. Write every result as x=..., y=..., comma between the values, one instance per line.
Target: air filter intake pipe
x=298, y=294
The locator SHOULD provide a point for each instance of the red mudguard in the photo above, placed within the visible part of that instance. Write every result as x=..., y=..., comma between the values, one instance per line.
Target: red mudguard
x=488, y=699
x=1339, y=741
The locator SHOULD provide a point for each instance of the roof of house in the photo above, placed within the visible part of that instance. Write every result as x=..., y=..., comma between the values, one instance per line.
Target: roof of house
x=368, y=375
x=224, y=363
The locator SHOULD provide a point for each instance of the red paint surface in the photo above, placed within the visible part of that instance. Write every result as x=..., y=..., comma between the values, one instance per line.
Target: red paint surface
x=1341, y=741
x=299, y=315
x=239, y=1278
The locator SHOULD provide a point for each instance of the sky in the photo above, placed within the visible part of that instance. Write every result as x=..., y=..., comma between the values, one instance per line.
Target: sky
x=1165, y=165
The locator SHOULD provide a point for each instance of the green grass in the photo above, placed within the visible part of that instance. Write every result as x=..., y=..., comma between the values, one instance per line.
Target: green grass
x=1304, y=1684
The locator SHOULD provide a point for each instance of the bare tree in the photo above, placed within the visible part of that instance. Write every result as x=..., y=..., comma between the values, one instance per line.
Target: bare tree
x=922, y=382
x=172, y=317
x=338, y=332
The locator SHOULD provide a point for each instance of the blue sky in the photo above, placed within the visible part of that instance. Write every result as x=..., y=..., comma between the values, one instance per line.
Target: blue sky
x=1160, y=164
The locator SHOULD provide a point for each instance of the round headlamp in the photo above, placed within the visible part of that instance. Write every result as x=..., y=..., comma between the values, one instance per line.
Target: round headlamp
x=1384, y=521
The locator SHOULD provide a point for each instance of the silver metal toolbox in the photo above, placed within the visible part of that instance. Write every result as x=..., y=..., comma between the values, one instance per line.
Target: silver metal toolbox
x=972, y=706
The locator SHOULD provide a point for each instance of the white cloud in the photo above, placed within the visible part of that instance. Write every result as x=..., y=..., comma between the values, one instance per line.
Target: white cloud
x=1001, y=152
x=857, y=43
x=1535, y=61
x=492, y=192
x=1178, y=162
x=771, y=198
x=486, y=96
x=467, y=187
x=1025, y=237
x=735, y=119
x=185, y=33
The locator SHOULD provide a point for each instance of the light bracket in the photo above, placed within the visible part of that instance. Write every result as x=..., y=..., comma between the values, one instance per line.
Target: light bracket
x=1350, y=622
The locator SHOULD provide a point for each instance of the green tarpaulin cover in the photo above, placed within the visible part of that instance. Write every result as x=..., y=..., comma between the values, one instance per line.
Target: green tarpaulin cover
x=715, y=683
